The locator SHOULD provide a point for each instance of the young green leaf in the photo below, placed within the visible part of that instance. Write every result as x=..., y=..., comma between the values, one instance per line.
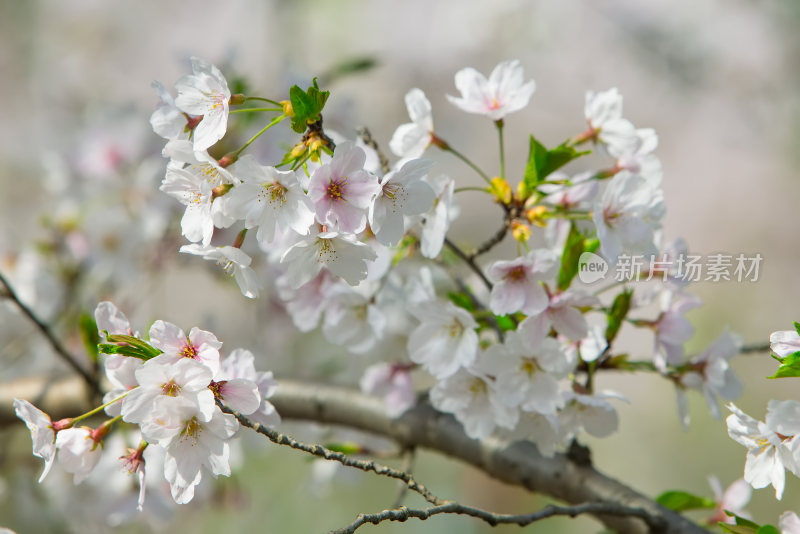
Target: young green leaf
x=617, y=313
x=681, y=500
x=91, y=338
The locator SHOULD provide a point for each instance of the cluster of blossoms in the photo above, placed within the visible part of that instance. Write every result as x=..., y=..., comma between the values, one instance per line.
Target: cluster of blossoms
x=342, y=232
x=170, y=387
x=360, y=247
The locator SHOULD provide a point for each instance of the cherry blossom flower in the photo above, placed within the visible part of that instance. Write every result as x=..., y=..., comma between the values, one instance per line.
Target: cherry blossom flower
x=393, y=383
x=503, y=93
x=185, y=380
x=43, y=434
x=205, y=92
x=402, y=192
x=770, y=445
x=197, y=223
x=234, y=262
x=352, y=320
x=437, y=220
x=340, y=253
x=562, y=313
x=342, y=190
x=445, y=340
x=199, y=345
x=411, y=139
x=733, y=499
x=473, y=399
x=672, y=328
x=789, y=523
x=516, y=283
x=78, y=452
x=167, y=120
x=269, y=199
x=190, y=444
x=712, y=374
x=785, y=342
x=239, y=370
x=592, y=413
x=628, y=213
x=306, y=303
x=603, y=112
x=527, y=375
x=638, y=158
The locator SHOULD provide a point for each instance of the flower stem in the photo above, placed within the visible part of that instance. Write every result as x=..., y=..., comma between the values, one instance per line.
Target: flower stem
x=446, y=147
x=269, y=125
x=100, y=408
x=262, y=99
x=461, y=189
x=499, y=124
x=253, y=110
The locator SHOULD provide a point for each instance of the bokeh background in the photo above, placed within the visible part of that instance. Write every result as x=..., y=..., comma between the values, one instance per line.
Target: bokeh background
x=717, y=79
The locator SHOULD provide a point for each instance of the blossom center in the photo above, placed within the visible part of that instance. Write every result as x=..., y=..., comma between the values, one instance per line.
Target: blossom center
x=516, y=274
x=192, y=429
x=477, y=386
x=170, y=388
x=336, y=190
x=188, y=351
x=277, y=192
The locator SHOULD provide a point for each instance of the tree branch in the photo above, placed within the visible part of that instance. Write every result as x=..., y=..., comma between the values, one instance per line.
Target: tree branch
x=403, y=513
x=51, y=338
x=517, y=463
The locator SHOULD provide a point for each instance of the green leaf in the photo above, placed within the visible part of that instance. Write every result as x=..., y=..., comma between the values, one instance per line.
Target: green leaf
x=543, y=162
x=797, y=327
x=574, y=246
x=617, y=313
x=790, y=366
x=768, y=529
x=128, y=346
x=505, y=322
x=462, y=300
x=681, y=500
x=89, y=334
x=736, y=529
x=344, y=447
x=307, y=105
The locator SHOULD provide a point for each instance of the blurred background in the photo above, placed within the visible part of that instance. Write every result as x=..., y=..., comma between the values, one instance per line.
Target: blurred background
x=80, y=168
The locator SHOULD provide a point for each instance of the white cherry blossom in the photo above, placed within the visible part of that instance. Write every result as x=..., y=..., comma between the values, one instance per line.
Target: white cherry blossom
x=437, y=220
x=516, y=283
x=78, y=452
x=234, y=262
x=339, y=253
x=205, y=92
x=42, y=433
x=603, y=112
x=199, y=345
x=401, y=193
x=411, y=139
x=167, y=120
x=445, y=339
x=504, y=92
x=784, y=343
x=392, y=382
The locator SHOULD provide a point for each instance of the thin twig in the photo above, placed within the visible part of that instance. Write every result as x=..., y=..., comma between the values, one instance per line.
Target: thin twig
x=491, y=242
x=318, y=450
x=366, y=136
x=469, y=261
x=755, y=347
x=656, y=524
x=51, y=338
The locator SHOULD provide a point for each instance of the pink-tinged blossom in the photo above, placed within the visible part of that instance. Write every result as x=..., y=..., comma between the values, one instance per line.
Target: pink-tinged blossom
x=205, y=92
x=199, y=345
x=733, y=499
x=562, y=313
x=340, y=253
x=197, y=223
x=352, y=320
x=789, y=523
x=43, y=434
x=712, y=374
x=190, y=444
x=672, y=329
x=167, y=120
x=306, y=303
x=78, y=452
x=445, y=339
x=516, y=283
x=472, y=398
x=342, y=191
x=234, y=262
x=411, y=139
x=504, y=92
x=591, y=413
x=110, y=319
x=121, y=373
x=437, y=220
x=239, y=370
x=638, y=157
x=392, y=382
x=185, y=380
x=268, y=199
x=784, y=343
x=627, y=215
x=770, y=446
x=401, y=193
x=603, y=112
x=527, y=375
